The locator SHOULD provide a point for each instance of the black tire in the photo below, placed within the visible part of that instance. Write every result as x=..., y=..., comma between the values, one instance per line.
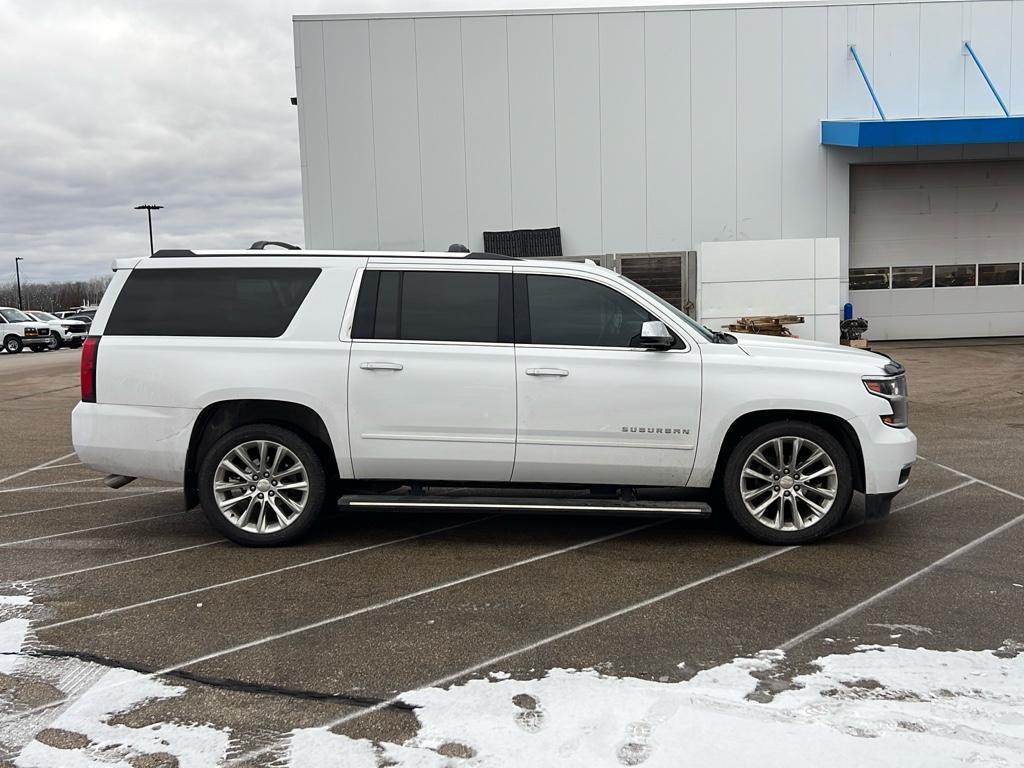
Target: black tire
x=56, y=342
x=315, y=479
x=13, y=344
x=39, y=349
x=787, y=532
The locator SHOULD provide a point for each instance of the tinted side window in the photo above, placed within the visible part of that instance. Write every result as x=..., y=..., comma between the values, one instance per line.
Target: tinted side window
x=570, y=311
x=217, y=301
x=431, y=306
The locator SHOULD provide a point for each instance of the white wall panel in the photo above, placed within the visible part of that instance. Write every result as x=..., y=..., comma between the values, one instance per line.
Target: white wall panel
x=317, y=179
x=1015, y=98
x=897, y=58
x=988, y=27
x=532, y=121
x=623, y=132
x=349, y=122
x=848, y=25
x=713, y=76
x=578, y=133
x=759, y=123
x=805, y=92
x=941, y=91
x=488, y=163
x=668, y=130
x=442, y=133
x=396, y=133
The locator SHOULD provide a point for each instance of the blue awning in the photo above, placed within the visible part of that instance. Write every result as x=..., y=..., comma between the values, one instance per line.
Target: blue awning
x=922, y=131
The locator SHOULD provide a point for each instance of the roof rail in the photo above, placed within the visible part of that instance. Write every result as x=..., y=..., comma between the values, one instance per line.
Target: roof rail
x=484, y=255
x=261, y=245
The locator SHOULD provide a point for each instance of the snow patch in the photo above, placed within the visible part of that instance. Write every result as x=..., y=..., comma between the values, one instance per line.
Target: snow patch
x=12, y=637
x=8, y=600
x=877, y=706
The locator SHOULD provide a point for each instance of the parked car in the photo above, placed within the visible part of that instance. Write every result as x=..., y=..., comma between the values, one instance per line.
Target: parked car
x=70, y=332
x=269, y=384
x=18, y=331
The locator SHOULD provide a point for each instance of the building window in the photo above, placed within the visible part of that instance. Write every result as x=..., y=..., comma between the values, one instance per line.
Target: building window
x=955, y=275
x=912, y=277
x=869, y=278
x=999, y=274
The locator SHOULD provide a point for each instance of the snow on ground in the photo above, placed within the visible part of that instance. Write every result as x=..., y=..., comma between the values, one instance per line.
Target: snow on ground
x=98, y=694
x=877, y=706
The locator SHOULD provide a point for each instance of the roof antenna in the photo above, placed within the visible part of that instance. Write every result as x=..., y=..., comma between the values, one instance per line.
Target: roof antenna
x=457, y=248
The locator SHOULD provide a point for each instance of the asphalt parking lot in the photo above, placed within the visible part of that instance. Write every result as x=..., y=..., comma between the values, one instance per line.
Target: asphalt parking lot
x=374, y=604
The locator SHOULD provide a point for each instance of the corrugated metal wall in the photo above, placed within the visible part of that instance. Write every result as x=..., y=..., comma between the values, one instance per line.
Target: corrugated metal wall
x=632, y=131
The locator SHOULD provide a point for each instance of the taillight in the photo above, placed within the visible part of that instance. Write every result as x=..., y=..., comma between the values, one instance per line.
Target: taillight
x=89, y=349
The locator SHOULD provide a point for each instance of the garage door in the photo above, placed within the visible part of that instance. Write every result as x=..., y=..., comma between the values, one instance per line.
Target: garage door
x=936, y=249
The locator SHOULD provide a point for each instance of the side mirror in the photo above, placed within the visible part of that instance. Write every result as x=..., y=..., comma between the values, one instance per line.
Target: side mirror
x=654, y=335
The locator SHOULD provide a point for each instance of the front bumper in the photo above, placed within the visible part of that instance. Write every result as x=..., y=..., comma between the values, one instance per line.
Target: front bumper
x=35, y=341
x=888, y=455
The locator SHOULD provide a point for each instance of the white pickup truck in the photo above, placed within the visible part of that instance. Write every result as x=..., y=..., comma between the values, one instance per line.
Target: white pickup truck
x=272, y=384
x=18, y=330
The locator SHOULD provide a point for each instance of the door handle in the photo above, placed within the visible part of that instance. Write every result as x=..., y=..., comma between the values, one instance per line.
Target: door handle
x=546, y=372
x=381, y=366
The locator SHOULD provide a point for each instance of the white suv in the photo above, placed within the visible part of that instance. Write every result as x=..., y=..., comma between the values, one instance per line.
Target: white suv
x=272, y=384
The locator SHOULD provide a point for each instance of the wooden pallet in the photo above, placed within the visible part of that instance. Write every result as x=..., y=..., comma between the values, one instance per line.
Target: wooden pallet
x=769, y=325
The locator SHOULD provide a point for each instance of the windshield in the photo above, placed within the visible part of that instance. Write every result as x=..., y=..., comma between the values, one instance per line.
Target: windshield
x=689, y=321
x=46, y=317
x=15, y=316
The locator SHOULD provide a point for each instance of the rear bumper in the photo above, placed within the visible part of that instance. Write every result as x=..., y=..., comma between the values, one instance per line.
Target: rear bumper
x=888, y=455
x=133, y=440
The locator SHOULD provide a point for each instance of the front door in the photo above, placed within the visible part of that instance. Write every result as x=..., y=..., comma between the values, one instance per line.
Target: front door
x=595, y=408
x=431, y=393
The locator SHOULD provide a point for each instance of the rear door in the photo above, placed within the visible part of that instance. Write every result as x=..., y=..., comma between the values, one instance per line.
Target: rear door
x=432, y=374
x=593, y=407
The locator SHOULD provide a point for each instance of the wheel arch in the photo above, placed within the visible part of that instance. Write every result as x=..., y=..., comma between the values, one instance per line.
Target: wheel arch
x=836, y=426
x=217, y=419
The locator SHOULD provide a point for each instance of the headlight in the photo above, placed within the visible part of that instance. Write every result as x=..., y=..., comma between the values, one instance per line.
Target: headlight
x=893, y=389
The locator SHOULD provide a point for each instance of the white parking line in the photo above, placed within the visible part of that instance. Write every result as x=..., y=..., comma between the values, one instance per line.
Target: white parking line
x=48, y=485
x=262, y=574
x=119, y=562
x=540, y=643
x=348, y=615
x=86, y=503
x=853, y=610
x=975, y=479
x=87, y=530
x=59, y=466
x=37, y=466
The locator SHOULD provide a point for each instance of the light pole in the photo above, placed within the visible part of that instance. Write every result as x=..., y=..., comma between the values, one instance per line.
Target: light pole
x=17, y=273
x=149, y=208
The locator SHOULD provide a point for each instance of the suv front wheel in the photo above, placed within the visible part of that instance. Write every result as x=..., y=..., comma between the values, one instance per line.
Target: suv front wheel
x=262, y=485
x=788, y=482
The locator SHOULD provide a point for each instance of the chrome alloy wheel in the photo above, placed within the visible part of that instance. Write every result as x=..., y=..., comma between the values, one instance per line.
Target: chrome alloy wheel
x=788, y=483
x=261, y=486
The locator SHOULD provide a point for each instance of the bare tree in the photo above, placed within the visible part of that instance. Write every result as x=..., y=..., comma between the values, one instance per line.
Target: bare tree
x=55, y=296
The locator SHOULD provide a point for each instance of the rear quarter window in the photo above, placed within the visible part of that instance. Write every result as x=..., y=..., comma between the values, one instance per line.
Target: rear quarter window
x=215, y=301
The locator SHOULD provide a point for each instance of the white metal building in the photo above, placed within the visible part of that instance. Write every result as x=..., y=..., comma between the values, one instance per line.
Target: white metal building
x=659, y=129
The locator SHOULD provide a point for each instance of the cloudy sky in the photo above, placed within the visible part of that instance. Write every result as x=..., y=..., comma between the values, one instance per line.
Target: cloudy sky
x=184, y=103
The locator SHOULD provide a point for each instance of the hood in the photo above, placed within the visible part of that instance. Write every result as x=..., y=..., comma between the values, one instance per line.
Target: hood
x=758, y=344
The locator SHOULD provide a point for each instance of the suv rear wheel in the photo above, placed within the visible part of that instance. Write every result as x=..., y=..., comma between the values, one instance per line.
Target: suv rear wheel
x=788, y=482
x=262, y=485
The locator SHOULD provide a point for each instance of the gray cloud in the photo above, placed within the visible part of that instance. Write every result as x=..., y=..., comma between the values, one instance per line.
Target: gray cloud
x=111, y=103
